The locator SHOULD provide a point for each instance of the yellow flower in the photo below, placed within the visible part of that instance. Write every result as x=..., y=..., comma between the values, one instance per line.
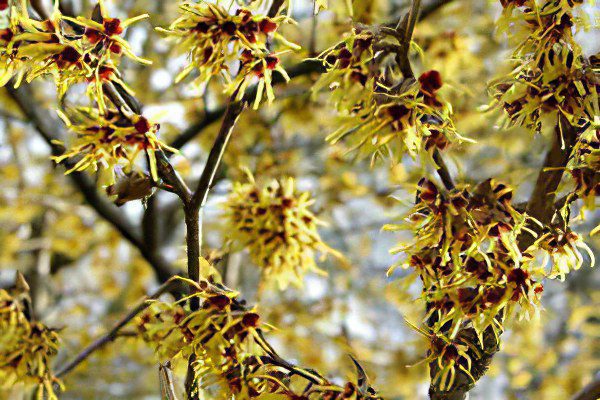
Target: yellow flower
x=30, y=49
x=104, y=141
x=466, y=253
x=258, y=68
x=221, y=335
x=105, y=35
x=232, y=359
x=275, y=223
x=215, y=39
x=551, y=73
x=26, y=347
x=380, y=116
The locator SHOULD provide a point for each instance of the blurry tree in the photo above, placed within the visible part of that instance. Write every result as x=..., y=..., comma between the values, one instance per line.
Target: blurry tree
x=275, y=138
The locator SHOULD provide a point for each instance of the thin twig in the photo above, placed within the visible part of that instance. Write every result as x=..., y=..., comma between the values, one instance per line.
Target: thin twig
x=406, y=28
x=442, y=170
x=192, y=208
x=150, y=224
x=274, y=9
x=234, y=109
x=40, y=9
x=426, y=11
x=171, y=177
x=113, y=332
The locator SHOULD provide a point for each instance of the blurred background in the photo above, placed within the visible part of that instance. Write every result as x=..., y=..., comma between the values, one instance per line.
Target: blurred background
x=84, y=274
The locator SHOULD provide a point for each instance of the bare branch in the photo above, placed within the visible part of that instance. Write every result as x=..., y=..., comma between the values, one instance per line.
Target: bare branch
x=112, y=334
x=541, y=203
x=274, y=9
x=234, y=109
x=432, y=7
x=426, y=11
x=171, y=177
x=442, y=170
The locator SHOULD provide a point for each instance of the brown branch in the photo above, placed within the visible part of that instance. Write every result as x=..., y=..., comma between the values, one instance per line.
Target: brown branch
x=171, y=177
x=413, y=16
x=234, y=109
x=125, y=102
x=40, y=8
x=541, y=203
x=405, y=28
x=193, y=207
x=150, y=224
x=274, y=9
x=442, y=170
x=432, y=8
x=113, y=333
x=426, y=11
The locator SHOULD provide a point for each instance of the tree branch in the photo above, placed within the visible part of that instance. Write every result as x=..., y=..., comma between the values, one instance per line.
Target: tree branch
x=442, y=170
x=406, y=27
x=232, y=113
x=426, y=11
x=112, y=334
x=192, y=208
x=432, y=7
x=541, y=203
x=274, y=9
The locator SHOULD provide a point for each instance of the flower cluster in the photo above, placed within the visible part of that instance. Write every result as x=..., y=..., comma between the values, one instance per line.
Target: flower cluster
x=551, y=76
x=232, y=358
x=474, y=274
x=220, y=334
x=105, y=140
x=382, y=116
x=216, y=39
x=81, y=50
x=275, y=223
x=70, y=50
x=26, y=347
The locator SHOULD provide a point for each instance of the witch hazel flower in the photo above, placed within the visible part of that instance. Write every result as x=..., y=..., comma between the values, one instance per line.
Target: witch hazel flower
x=380, y=115
x=70, y=50
x=216, y=40
x=105, y=140
x=275, y=223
